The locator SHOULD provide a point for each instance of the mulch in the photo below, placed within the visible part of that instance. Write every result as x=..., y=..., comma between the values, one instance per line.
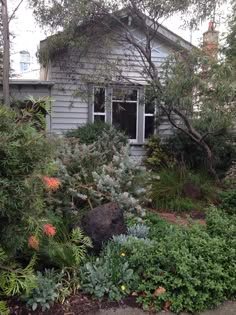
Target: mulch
x=80, y=304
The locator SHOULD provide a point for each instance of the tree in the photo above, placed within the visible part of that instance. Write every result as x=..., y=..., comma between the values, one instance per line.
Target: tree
x=70, y=15
x=230, y=49
x=4, y=28
x=6, y=53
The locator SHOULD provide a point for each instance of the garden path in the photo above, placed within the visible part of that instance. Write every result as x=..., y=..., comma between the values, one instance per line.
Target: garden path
x=228, y=308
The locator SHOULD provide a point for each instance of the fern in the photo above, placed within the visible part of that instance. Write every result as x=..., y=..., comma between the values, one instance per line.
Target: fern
x=4, y=310
x=15, y=280
x=67, y=252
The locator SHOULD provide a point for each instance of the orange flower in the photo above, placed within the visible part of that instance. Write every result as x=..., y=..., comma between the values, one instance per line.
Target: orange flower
x=52, y=183
x=49, y=229
x=33, y=242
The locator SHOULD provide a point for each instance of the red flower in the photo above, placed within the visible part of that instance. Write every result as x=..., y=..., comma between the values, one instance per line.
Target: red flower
x=52, y=183
x=49, y=229
x=33, y=242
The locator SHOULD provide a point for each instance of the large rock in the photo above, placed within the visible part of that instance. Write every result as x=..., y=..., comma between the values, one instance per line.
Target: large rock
x=101, y=223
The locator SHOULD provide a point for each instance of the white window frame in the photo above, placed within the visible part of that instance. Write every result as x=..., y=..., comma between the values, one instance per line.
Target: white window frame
x=93, y=99
x=144, y=122
x=137, y=108
x=108, y=111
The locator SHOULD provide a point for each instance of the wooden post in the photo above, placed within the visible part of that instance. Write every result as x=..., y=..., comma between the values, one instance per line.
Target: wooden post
x=6, y=53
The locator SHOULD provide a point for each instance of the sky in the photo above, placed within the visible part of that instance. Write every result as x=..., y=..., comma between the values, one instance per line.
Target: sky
x=27, y=35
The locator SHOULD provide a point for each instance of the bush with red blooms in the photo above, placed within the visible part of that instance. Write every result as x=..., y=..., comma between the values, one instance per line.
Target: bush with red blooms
x=25, y=157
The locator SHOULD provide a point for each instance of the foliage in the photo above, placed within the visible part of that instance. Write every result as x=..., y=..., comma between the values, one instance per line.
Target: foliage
x=14, y=279
x=230, y=48
x=25, y=155
x=157, y=157
x=108, y=275
x=33, y=110
x=46, y=291
x=186, y=269
x=68, y=16
x=123, y=181
x=138, y=230
x=66, y=249
x=4, y=310
x=92, y=174
x=168, y=190
x=228, y=201
x=91, y=132
x=222, y=144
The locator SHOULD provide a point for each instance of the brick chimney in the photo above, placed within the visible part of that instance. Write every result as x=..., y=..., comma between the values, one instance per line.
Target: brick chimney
x=211, y=40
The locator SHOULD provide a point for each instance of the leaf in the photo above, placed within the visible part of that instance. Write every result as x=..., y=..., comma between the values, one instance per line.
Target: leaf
x=159, y=291
x=34, y=306
x=167, y=306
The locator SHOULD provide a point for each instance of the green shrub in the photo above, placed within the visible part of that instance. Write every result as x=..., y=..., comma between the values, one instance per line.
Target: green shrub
x=90, y=177
x=228, y=201
x=92, y=132
x=65, y=249
x=25, y=157
x=184, y=149
x=196, y=267
x=89, y=133
x=157, y=157
x=109, y=275
x=46, y=291
x=33, y=111
x=167, y=190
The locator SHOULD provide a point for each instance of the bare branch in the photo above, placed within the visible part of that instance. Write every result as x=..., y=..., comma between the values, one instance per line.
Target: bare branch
x=14, y=11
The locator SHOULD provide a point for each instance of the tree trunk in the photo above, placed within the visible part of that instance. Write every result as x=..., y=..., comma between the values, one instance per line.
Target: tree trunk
x=6, y=54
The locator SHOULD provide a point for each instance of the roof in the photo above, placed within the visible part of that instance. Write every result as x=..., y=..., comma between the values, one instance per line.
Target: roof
x=162, y=31
x=35, y=83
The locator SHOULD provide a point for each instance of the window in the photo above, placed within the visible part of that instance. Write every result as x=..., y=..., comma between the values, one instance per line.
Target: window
x=24, y=60
x=149, y=119
x=24, y=66
x=124, y=110
x=99, y=113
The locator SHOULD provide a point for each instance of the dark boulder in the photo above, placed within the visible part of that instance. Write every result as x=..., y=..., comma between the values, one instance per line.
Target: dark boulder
x=103, y=222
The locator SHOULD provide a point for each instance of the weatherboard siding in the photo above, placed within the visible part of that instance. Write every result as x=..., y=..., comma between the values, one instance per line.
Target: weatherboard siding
x=71, y=73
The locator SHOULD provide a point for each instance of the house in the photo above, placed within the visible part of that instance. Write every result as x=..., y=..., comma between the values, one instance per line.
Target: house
x=107, y=80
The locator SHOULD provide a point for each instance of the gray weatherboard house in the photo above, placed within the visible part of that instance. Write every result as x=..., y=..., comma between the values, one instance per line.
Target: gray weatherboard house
x=105, y=82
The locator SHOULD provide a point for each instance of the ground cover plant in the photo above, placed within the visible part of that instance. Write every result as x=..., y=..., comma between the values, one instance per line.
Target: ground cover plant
x=172, y=267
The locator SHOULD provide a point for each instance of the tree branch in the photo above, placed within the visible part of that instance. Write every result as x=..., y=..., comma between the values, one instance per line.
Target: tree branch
x=15, y=10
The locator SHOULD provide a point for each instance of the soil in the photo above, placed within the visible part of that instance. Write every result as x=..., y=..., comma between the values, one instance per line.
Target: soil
x=183, y=218
x=79, y=304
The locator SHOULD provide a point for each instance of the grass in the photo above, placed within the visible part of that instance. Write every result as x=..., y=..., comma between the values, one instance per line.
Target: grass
x=167, y=192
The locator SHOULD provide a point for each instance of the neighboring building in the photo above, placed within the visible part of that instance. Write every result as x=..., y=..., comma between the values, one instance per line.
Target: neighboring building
x=24, y=65
x=107, y=83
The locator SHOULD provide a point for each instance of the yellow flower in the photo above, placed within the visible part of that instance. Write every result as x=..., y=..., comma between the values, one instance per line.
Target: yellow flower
x=122, y=254
x=123, y=288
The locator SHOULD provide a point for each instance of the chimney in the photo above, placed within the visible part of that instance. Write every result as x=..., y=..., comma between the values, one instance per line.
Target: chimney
x=211, y=40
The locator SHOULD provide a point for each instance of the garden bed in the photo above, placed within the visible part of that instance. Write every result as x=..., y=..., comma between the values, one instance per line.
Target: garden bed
x=79, y=304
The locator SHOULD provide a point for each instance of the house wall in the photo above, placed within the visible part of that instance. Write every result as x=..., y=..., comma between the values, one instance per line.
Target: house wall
x=105, y=60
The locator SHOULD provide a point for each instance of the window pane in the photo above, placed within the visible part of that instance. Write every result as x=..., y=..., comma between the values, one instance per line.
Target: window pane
x=99, y=118
x=124, y=94
x=124, y=116
x=99, y=100
x=149, y=126
x=149, y=108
